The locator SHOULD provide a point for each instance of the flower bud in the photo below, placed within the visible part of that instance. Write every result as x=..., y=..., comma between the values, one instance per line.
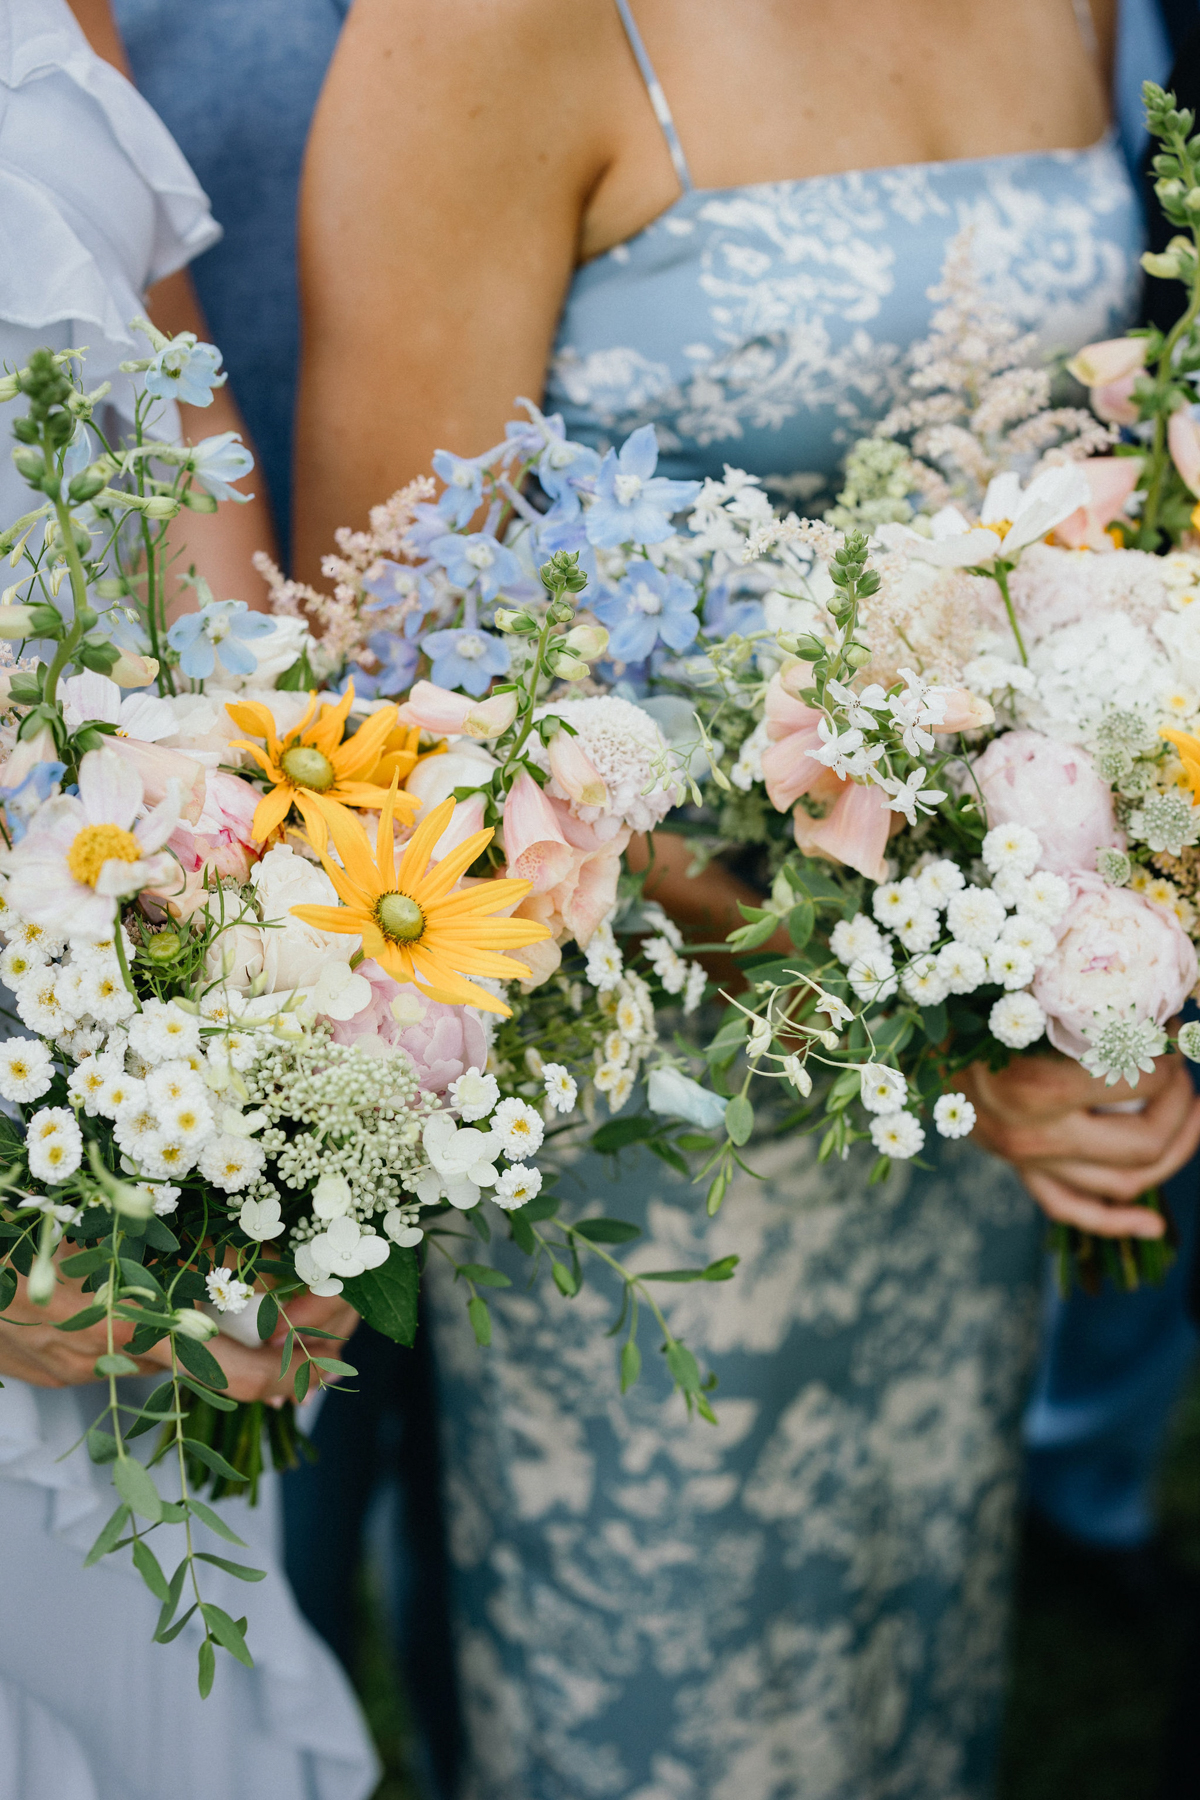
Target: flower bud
x=1163, y=265
x=587, y=641
x=575, y=772
x=36, y=620
x=196, y=500
x=798, y=1075
x=561, y=612
x=87, y=485
x=491, y=717
x=130, y=671
x=164, y=947
x=1189, y=1040
x=568, y=668
x=197, y=1325
x=856, y=655
x=30, y=463
x=511, y=619
x=161, y=506
x=43, y=1279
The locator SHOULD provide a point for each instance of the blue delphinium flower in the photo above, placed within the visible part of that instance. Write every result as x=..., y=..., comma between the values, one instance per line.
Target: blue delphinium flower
x=464, y=486
x=185, y=370
x=477, y=559
x=466, y=658
x=648, y=606
x=399, y=584
x=563, y=464
x=21, y=802
x=222, y=627
x=217, y=461
x=632, y=504
x=728, y=610
x=397, y=659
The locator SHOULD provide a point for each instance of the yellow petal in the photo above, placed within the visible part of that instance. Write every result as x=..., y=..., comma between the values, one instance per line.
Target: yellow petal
x=365, y=794
x=329, y=918
x=421, y=843
x=326, y=734
x=359, y=754
x=311, y=808
x=354, y=848
x=443, y=875
x=270, y=812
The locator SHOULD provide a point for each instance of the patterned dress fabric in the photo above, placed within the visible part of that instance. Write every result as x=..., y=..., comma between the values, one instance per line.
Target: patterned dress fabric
x=808, y=1602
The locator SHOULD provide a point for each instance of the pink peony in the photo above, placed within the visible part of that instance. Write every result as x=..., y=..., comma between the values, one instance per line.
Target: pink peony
x=1115, y=948
x=1029, y=779
x=222, y=837
x=443, y=1041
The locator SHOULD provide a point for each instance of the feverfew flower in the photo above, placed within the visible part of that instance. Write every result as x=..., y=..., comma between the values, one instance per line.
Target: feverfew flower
x=164, y=1197
x=693, y=993
x=1028, y=934
x=230, y=1162
x=898, y=1135
x=53, y=1144
x=18, y=962
x=604, y=962
x=884, y=1090
x=103, y=994
x=893, y=900
x=226, y=1292
x=26, y=1069
x=1011, y=966
x=923, y=982
x=87, y=1081
x=1017, y=1021
x=516, y=1186
x=1014, y=847
x=620, y=1090
x=872, y=976
x=162, y=1032
x=962, y=968
x=474, y=1094
x=852, y=938
x=1044, y=897
x=954, y=1116
x=519, y=1129
x=975, y=917
x=938, y=883
x=561, y=1089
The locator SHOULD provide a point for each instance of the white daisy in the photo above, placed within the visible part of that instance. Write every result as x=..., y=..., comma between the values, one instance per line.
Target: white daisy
x=975, y=916
x=884, y=1090
x=1011, y=966
x=162, y=1032
x=516, y=1186
x=923, y=981
x=1045, y=897
x=168, y=1154
x=561, y=1089
x=17, y=962
x=938, y=882
x=39, y=1003
x=873, y=976
x=954, y=1116
x=53, y=1144
x=87, y=1082
x=103, y=993
x=852, y=938
x=1030, y=935
x=26, y=1069
x=519, y=1128
x=620, y=1090
x=1012, y=847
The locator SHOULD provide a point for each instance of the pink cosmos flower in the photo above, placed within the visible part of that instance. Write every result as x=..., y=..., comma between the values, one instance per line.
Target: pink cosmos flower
x=82, y=856
x=443, y=1041
x=140, y=721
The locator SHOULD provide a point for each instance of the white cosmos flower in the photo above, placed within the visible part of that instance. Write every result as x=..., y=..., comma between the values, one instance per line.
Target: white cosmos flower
x=81, y=856
x=954, y=1116
x=561, y=1088
x=1010, y=519
x=26, y=1069
x=91, y=696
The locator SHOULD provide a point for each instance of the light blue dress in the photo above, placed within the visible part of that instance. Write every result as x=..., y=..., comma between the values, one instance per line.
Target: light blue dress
x=808, y=1602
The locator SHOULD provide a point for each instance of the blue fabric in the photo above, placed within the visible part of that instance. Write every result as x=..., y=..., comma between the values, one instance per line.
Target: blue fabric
x=236, y=81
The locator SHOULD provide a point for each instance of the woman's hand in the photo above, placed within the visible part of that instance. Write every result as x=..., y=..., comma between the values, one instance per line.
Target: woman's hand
x=1083, y=1166
x=253, y=1372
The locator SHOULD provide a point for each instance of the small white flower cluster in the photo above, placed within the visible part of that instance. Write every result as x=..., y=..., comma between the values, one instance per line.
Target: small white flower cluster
x=462, y=1160
x=626, y=1003
x=896, y=1132
x=868, y=725
x=677, y=975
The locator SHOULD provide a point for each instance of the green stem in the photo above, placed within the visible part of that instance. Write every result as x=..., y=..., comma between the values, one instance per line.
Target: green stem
x=1158, y=454
x=527, y=722
x=119, y=945
x=1000, y=574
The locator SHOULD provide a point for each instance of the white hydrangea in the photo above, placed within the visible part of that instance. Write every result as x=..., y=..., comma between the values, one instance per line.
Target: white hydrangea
x=53, y=1144
x=954, y=1116
x=852, y=938
x=883, y=1090
x=923, y=982
x=975, y=916
x=261, y=1219
x=1012, y=847
x=962, y=967
x=474, y=1094
x=26, y=1069
x=1017, y=1021
x=898, y=1135
x=628, y=752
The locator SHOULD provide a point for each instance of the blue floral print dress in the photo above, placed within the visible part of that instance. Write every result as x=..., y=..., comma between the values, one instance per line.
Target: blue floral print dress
x=808, y=1601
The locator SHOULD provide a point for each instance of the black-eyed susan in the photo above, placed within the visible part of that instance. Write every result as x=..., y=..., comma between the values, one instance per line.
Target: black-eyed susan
x=413, y=919
x=313, y=769
x=1189, y=755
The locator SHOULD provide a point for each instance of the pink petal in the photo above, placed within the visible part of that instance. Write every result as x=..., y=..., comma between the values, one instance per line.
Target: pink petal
x=790, y=768
x=1111, y=360
x=1111, y=480
x=534, y=844
x=153, y=831
x=1183, y=439
x=575, y=772
x=855, y=833
x=435, y=709
x=1113, y=401
x=466, y=821
x=158, y=767
x=91, y=696
x=110, y=788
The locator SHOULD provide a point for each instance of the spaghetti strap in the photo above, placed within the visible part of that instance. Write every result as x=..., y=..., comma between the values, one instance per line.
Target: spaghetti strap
x=1087, y=28
x=658, y=99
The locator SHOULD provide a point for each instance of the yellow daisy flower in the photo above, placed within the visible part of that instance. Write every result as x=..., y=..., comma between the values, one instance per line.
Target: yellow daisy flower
x=410, y=920
x=313, y=770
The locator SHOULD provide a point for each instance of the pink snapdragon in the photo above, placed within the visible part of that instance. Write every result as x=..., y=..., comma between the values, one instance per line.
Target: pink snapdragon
x=855, y=832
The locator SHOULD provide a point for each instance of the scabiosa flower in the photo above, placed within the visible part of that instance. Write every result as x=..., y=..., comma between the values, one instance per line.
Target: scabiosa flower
x=82, y=855
x=163, y=1032
x=872, y=977
x=923, y=982
x=519, y=1129
x=477, y=560
x=975, y=916
x=465, y=658
x=883, y=1090
x=648, y=606
x=516, y=1186
x=185, y=369
x=562, y=1091
x=938, y=883
x=224, y=629
x=898, y=1135
x=632, y=504
x=1009, y=965
x=53, y=1144
x=954, y=1116
x=218, y=461
x=1122, y=1046
x=226, y=1292
x=26, y=1069
x=962, y=968
x=230, y=1162
x=852, y=938
x=1013, y=847
x=474, y=1094
x=1017, y=1021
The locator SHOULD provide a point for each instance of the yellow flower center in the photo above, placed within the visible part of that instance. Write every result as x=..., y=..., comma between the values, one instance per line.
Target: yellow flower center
x=1001, y=527
x=97, y=844
x=400, y=918
x=308, y=768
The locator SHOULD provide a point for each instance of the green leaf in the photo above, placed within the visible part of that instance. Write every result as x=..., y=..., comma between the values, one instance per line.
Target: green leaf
x=684, y=1368
x=215, y=1522
x=212, y=1459
x=268, y=1316
x=113, y=1528
x=133, y=1275
x=157, y=1410
x=481, y=1320
x=91, y=1315
x=483, y=1275
x=137, y=1489
x=607, y=1231
x=749, y=937
x=618, y=1134
x=739, y=1118
x=76, y=1267
x=386, y=1297
x=542, y=1206
x=671, y=1275
x=935, y=1022
x=208, y=1668
x=332, y=1366
x=694, y=1140
x=147, y=1567
x=115, y=1365
x=174, y=1590
x=631, y=1366
x=564, y=1280
x=102, y=1445
x=301, y=1379
x=716, y=1194
x=158, y=1235
x=164, y=1636
x=521, y=1232
x=8, y=1288
x=669, y=1154
x=243, y=1571
x=227, y=1633
x=800, y=922
x=199, y=1362
x=722, y=1269
x=221, y=1401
